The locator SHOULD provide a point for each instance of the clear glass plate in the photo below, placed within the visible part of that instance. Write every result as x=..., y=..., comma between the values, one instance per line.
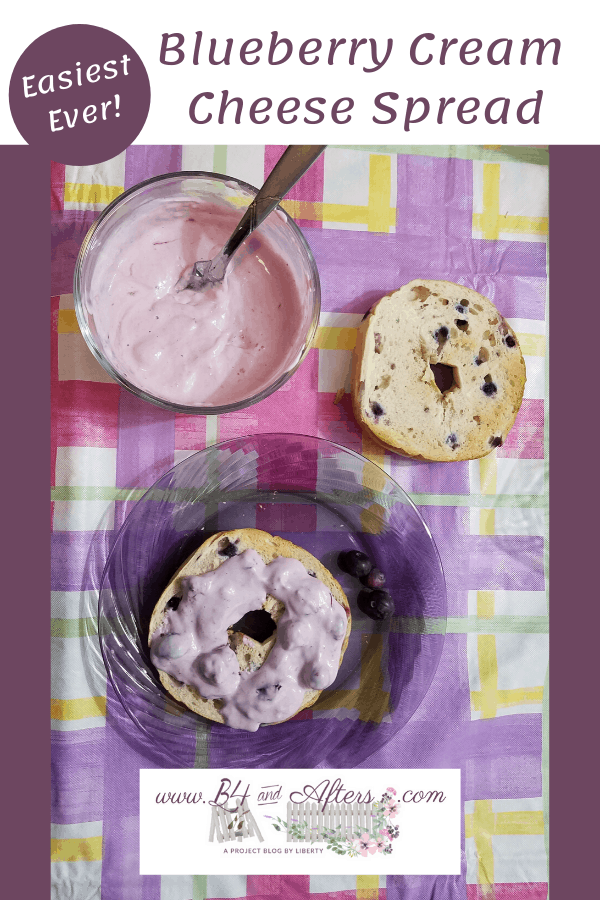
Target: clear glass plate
x=326, y=499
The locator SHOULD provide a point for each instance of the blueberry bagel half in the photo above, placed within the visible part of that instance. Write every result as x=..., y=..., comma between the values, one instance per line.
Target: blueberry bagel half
x=438, y=373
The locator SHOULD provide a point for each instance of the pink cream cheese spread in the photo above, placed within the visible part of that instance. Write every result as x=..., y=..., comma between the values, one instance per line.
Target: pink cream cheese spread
x=191, y=643
x=211, y=348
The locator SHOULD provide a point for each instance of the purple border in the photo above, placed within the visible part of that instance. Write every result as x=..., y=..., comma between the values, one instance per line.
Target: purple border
x=574, y=608
x=26, y=549
x=574, y=181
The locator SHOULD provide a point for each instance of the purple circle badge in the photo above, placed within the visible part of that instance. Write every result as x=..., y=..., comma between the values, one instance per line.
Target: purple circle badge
x=80, y=93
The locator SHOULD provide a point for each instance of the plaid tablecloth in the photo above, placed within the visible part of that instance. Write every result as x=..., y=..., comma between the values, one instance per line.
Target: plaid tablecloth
x=375, y=218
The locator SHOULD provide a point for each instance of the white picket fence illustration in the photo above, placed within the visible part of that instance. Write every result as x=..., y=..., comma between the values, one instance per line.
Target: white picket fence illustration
x=312, y=820
x=233, y=824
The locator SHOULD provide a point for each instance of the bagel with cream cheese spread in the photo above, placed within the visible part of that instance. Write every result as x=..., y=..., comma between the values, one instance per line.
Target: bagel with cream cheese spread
x=209, y=633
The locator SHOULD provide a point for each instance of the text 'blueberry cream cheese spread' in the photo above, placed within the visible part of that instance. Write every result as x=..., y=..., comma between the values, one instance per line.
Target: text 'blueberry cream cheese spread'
x=191, y=640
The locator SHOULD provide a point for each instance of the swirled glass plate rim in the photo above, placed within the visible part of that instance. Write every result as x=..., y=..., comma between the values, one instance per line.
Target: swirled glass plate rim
x=160, y=715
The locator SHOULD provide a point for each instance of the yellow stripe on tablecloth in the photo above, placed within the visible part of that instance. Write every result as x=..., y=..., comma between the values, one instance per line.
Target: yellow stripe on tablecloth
x=73, y=849
x=490, y=697
x=488, y=676
x=487, y=221
x=91, y=193
x=483, y=824
x=482, y=829
x=514, y=822
x=380, y=187
x=337, y=212
x=367, y=887
x=520, y=822
x=532, y=344
x=80, y=708
x=491, y=226
x=488, y=471
x=490, y=222
x=487, y=521
x=330, y=338
x=481, y=700
x=67, y=322
x=373, y=518
x=485, y=604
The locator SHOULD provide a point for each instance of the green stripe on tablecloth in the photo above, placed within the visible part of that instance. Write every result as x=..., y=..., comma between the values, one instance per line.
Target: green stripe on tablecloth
x=201, y=754
x=498, y=625
x=70, y=493
x=200, y=887
x=537, y=155
x=458, y=625
x=484, y=501
x=73, y=628
x=77, y=628
x=220, y=159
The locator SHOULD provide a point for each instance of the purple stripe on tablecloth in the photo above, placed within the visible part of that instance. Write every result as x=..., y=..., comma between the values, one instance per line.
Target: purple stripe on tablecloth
x=435, y=197
x=68, y=230
x=77, y=558
x=429, y=740
x=355, y=268
x=146, y=443
x=77, y=776
x=123, y=759
x=426, y=740
x=142, y=162
x=430, y=478
x=446, y=523
x=510, y=258
x=503, y=756
x=426, y=887
x=519, y=296
x=358, y=268
x=458, y=602
x=493, y=563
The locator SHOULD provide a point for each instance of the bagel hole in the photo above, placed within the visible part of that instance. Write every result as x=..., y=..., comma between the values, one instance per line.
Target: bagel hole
x=446, y=377
x=257, y=624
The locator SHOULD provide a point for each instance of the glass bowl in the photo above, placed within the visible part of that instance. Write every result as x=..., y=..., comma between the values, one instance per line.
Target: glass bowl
x=224, y=192
x=326, y=499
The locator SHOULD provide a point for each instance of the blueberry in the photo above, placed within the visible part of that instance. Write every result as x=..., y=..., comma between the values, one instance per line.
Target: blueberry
x=452, y=440
x=441, y=335
x=510, y=341
x=375, y=579
x=173, y=603
x=376, y=604
x=355, y=563
x=489, y=388
x=495, y=442
x=226, y=548
x=460, y=310
x=377, y=409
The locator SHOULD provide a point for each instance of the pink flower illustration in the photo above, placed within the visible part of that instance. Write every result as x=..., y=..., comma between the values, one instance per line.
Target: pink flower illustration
x=365, y=844
x=391, y=791
x=384, y=832
x=391, y=810
x=380, y=843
